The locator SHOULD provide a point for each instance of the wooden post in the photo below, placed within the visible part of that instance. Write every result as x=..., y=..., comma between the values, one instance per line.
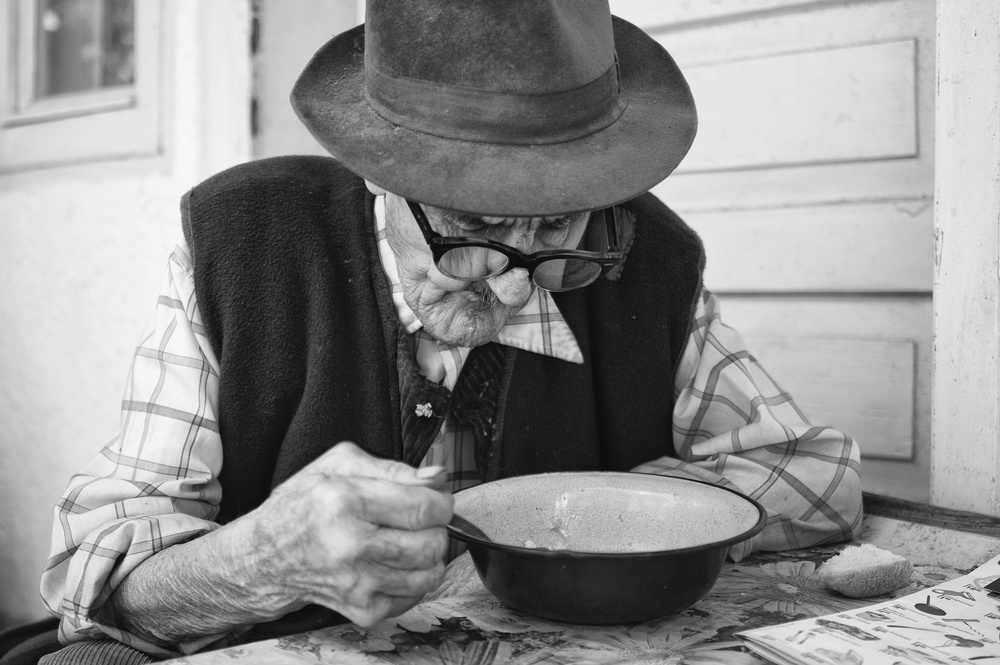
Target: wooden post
x=965, y=429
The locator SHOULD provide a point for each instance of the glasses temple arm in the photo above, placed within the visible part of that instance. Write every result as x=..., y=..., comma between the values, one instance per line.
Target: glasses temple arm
x=611, y=226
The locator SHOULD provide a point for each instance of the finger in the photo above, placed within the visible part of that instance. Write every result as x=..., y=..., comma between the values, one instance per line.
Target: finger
x=386, y=503
x=407, y=550
x=404, y=583
x=348, y=459
x=433, y=476
x=379, y=607
x=383, y=592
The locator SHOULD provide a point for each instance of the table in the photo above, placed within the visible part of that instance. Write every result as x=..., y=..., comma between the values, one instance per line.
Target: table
x=463, y=623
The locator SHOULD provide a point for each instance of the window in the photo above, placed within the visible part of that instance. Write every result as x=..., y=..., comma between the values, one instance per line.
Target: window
x=79, y=81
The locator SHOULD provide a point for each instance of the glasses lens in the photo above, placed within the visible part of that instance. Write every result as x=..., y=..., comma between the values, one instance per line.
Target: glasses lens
x=472, y=263
x=565, y=274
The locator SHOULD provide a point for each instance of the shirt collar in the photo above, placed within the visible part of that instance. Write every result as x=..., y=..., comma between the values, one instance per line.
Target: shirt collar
x=539, y=327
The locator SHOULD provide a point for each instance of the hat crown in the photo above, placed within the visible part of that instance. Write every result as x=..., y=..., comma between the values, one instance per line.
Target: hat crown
x=510, y=46
x=506, y=72
x=499, y=107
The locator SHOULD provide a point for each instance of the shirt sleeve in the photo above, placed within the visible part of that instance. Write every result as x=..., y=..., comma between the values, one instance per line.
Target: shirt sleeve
x=734, y=426
x=154, y=485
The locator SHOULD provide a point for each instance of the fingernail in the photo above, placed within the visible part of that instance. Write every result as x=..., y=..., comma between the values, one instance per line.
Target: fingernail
x=427, y=472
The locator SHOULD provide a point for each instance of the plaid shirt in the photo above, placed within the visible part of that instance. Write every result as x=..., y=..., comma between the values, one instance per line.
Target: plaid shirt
x=156, y=484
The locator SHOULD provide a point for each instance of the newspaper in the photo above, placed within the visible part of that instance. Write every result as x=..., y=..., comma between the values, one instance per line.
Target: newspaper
x=954, y=622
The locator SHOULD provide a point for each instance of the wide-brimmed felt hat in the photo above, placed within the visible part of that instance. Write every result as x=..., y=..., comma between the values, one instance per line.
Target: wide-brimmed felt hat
x=499, y=107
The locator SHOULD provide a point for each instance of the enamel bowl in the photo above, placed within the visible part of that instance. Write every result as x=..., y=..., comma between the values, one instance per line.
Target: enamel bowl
x=603, y=547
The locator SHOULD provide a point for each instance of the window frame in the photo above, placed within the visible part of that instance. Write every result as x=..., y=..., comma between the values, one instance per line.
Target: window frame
x=109, y=123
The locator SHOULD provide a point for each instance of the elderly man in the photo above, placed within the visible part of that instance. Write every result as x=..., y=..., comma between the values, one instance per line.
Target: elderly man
x=479, y=286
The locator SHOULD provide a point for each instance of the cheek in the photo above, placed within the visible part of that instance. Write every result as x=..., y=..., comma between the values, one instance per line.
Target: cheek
x=574, y=235
x=413, y=257
x=419, y=278
x=557, y=238
x=412, y=261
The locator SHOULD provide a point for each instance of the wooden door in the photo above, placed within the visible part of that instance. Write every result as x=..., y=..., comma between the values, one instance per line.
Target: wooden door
x=811, y=183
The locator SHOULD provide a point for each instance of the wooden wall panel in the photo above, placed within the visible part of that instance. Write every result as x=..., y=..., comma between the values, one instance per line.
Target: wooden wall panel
x=826, y=25
x=798, y=186
x=859, y=248
x=830, y=105
x=828, y=35
x=892, y=319
x=868, y=393
x=654, y=13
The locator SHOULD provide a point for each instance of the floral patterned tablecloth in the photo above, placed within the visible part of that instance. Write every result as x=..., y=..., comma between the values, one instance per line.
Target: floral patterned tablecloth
x=464, y=624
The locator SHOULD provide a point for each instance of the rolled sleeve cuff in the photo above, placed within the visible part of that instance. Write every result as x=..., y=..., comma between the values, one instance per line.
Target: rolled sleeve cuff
x=76, y=585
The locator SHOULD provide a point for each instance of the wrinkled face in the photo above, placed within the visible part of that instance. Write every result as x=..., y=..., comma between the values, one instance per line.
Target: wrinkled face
x=469, y=313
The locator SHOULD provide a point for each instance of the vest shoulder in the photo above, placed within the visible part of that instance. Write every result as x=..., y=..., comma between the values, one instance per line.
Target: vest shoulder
x=264, y=193
x=291, y=174
x=273, y=203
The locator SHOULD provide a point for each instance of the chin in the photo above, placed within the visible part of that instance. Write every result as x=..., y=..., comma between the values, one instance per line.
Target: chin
x=475, y=335
x=471, y=326
x=478, y=339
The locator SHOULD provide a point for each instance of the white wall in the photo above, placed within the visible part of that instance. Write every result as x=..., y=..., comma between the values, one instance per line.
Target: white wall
x=79, y=263
x=82, y=251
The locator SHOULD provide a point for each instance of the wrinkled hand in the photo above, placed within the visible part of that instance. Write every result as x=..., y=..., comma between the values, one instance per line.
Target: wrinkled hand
x=358, y=534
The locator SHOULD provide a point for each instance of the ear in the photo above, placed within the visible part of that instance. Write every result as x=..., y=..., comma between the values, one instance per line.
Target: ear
x=374, y=189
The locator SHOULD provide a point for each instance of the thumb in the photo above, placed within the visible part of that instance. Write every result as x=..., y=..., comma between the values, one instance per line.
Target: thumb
x=349, y=459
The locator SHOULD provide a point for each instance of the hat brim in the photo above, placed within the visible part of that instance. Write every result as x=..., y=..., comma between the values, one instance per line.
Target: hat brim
x=637, y=151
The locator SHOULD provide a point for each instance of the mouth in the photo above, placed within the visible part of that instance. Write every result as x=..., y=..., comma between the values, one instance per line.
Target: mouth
x=469, y=317
x=485, y=295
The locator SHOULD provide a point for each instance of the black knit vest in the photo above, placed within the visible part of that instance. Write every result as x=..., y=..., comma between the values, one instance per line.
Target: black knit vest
x=298, y=310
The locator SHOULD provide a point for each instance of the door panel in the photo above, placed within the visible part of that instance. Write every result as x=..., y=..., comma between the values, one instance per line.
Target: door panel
x=812, y=43
x=815, y=249
x=861, y=108
x=850, y=394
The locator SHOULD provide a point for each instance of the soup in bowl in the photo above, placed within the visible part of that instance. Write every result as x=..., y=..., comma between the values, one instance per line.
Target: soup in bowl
x=603, y=547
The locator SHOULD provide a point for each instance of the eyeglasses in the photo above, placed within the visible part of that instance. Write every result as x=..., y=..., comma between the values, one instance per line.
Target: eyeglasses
x=551, y=269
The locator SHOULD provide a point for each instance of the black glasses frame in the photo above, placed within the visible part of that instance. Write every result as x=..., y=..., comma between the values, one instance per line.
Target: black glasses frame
x=440, y=244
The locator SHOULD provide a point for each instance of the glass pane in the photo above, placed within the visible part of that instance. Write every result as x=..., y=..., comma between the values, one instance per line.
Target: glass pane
x=84, y=45
x=565, y=274
x=472, y=262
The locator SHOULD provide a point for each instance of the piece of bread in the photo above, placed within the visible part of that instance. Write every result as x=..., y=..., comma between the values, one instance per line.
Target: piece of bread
x=862, y=571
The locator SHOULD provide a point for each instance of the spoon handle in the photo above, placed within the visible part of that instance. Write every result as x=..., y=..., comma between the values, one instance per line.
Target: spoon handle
x=468, y=528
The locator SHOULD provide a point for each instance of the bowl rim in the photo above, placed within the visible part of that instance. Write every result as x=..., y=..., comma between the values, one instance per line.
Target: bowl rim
x=533, y=551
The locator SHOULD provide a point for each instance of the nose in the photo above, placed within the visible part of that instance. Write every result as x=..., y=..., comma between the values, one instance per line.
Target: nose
x=521, y=236
x=512, y=288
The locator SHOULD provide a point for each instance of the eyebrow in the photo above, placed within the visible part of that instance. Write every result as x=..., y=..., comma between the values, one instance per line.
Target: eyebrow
x=451, y=216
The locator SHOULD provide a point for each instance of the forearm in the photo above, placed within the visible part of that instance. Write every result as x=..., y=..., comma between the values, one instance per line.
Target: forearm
x=734, y=424
x=367, y=544
x=810, y=486
x=152, y=489
x=202, y=588
x=811, y=490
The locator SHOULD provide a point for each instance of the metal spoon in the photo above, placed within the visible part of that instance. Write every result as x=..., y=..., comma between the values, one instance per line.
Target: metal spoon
x=468, y=528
